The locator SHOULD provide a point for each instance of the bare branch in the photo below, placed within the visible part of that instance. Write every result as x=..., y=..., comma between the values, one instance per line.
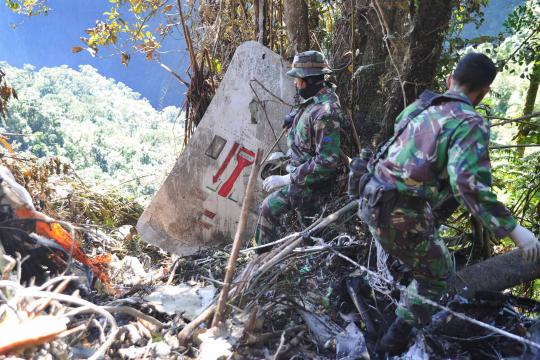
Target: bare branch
x=518, y=119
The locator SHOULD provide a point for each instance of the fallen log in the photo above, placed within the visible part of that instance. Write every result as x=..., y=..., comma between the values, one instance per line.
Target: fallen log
x=495, y=274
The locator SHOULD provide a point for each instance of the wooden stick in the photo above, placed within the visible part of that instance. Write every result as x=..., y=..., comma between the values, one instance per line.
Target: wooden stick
x=219, y=314
x=274, y=145
x=246, y=277
x=290, y=245
x=513, y=146
x=187, y=37
x=355, y=133
x=184, y=335
x=362, y=309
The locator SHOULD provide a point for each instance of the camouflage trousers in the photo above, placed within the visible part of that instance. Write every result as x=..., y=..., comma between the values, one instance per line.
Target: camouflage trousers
x=277, y=204
x=410, y=234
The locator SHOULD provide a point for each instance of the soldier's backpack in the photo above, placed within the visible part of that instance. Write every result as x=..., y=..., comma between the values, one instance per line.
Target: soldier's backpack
x=427, y=98
x=372, y=192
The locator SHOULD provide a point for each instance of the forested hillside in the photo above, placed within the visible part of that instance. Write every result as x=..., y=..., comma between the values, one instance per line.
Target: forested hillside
x=110, y=134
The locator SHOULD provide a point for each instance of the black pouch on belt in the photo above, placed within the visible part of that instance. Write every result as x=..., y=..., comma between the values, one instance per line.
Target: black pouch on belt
x=376, y=202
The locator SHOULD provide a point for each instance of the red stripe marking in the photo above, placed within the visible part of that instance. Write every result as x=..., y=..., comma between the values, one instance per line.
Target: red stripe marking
x=245, y=158
x=209, y=214
x=223, y=166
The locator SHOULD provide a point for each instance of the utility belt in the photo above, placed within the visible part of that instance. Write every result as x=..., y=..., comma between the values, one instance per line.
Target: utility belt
x=378, y=200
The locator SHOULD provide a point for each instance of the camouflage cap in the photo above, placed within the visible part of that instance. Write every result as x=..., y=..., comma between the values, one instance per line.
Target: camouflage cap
x=309, y=63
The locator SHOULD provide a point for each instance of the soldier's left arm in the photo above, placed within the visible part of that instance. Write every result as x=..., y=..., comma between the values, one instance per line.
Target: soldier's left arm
x=469, y=171
x=326, y=138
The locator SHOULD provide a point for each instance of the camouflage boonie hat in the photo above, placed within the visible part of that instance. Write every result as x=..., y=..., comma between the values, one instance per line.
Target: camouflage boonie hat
x=309, y=63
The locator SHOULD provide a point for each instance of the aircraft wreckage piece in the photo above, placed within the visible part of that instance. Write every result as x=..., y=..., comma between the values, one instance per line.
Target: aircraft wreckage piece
x=199, y=203
x=495, y=274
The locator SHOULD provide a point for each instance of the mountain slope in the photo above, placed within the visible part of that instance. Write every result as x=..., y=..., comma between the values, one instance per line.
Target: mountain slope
x=112, y=136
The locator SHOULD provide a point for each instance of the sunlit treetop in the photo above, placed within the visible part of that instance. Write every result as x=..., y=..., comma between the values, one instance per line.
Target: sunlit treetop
x=127, y=25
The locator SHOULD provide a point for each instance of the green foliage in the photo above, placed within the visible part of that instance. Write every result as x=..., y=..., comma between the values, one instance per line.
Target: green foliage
x=125, y=25
x=129, y=20
x=515, y=177
x=111, y=136
x=28, y=7
x=524, y=24
x=464, y=12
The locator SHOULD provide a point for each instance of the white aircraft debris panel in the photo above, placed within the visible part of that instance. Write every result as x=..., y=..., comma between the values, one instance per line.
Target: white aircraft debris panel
x=199, y=203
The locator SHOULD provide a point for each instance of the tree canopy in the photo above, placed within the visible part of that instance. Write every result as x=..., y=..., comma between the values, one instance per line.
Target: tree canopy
x=109, y=134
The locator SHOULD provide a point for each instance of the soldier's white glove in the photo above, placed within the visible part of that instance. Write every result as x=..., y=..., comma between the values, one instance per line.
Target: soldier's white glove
x=527, y=242
x=274, y=182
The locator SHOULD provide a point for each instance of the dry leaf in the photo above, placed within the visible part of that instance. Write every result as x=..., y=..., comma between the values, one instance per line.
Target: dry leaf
x=31, y=332
x=125, y=58
x=167, y=9
x=6, y=144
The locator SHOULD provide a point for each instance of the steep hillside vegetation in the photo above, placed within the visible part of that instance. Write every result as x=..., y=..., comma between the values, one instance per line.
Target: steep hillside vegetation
x=112, y=136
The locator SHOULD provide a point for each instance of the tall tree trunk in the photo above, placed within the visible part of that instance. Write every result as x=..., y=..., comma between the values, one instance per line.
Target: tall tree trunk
x=533, y=90
x=420, y=57
x=528, y=108
x=297, y=21
x=260, y=10
x=398, y=44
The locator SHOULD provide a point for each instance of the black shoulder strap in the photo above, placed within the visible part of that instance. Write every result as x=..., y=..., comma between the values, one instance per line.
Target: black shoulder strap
x=426, y=99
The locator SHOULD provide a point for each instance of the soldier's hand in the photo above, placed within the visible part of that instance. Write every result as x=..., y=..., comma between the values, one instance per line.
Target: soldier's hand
x=527, y=242
x=289, y=118
x=274, y=182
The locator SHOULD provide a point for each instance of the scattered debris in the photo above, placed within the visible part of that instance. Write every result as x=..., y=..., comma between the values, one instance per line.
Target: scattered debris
x=129, y=271
x=350, y=344
x=214, y=345
x=30, y=332
x=323, y=329
x=157, y=350
x=305, y=298
x=188, y=301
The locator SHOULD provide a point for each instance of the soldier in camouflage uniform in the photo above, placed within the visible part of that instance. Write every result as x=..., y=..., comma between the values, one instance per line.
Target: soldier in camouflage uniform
x=438, y=154
x=314, y=146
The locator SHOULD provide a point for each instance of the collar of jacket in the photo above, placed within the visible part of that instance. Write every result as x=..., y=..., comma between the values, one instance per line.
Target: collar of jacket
x=458, y=94
x=319, y=97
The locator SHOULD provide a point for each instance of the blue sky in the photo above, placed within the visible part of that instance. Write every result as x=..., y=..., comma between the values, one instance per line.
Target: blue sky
x=495, y=14
x=46, y=41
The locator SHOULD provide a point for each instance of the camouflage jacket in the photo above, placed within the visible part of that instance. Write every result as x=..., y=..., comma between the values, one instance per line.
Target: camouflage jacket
x=314, y=139
x=443, y=152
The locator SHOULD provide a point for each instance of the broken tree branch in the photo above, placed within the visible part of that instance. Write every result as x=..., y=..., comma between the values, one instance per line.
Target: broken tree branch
x=177, y=77
x=269, y=151
x=513, y=146
x=184, y=335
x=265, y=262
x=231, y=266
x=295, y=242
x=510, y=120
x=461, y=316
